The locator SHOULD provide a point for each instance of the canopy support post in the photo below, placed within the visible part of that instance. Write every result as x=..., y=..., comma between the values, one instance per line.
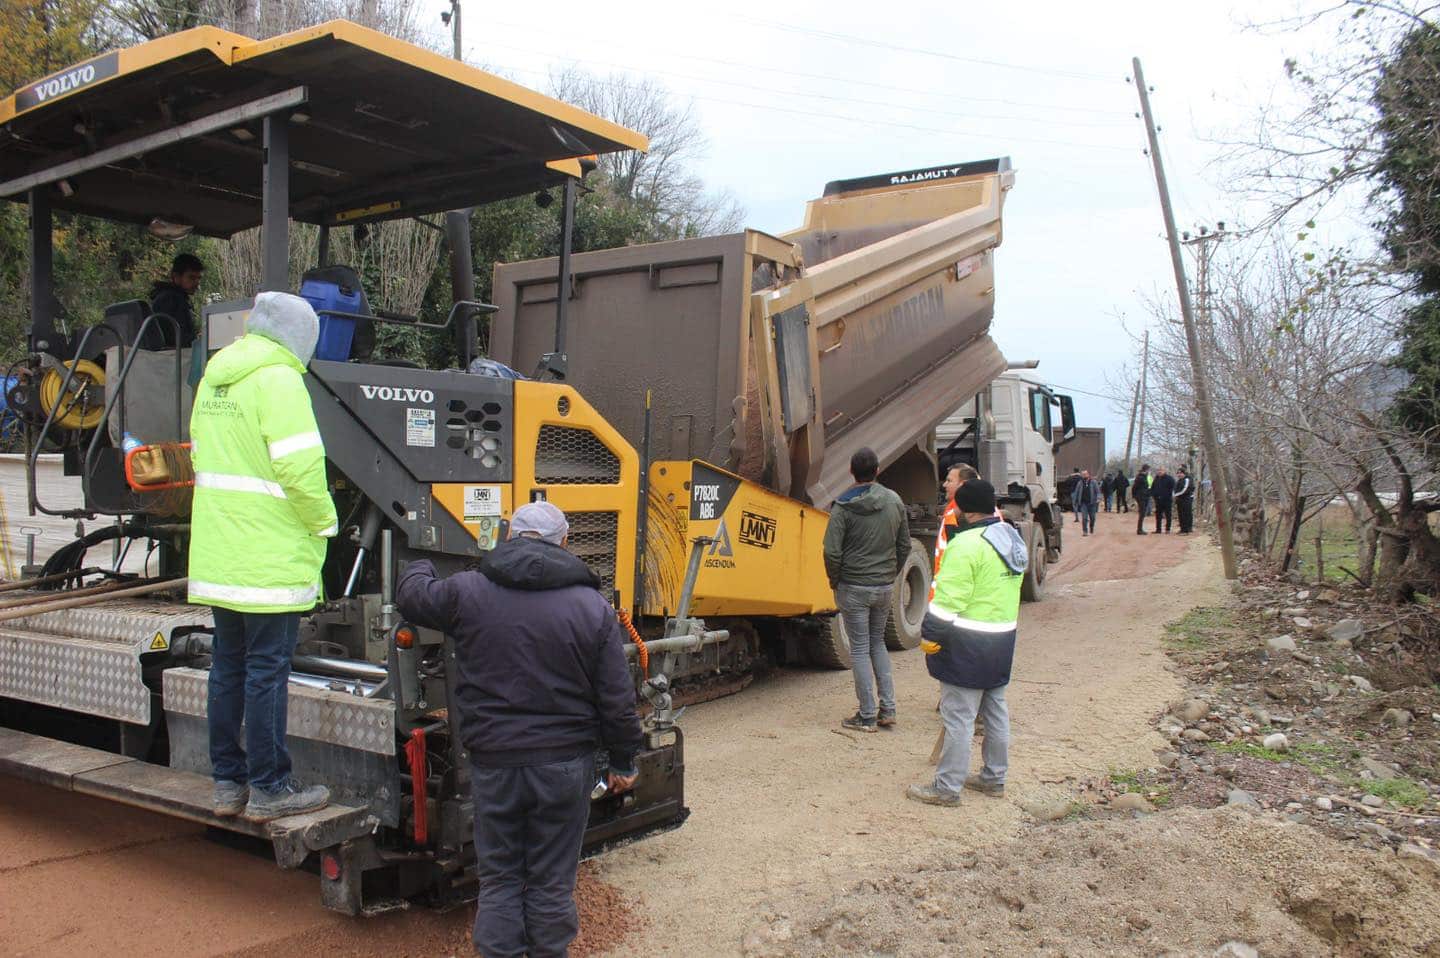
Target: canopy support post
x=275, y=205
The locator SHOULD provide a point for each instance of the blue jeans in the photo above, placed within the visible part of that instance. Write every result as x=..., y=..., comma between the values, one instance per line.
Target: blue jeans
x=529, y=826
x=865, y=609
x=958, y=707
x=1087, y=517
x=248, y=675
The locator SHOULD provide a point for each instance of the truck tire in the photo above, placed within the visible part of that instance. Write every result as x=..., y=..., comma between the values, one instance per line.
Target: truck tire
x=1032, y=587
x=831, y=648
x=909, y=600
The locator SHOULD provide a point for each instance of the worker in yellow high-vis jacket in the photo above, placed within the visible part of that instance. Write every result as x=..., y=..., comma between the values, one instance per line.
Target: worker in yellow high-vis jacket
x=261, y=520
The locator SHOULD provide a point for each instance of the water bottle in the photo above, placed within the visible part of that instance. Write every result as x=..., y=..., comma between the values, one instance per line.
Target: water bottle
x=129, y=444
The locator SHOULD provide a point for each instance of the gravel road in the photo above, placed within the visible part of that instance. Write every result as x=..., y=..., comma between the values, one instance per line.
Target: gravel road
x=786, y=806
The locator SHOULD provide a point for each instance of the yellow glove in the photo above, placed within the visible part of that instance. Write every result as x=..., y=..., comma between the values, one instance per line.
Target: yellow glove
x=928, y=647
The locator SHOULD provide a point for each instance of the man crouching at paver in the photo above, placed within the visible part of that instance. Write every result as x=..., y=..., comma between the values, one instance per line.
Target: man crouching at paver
x=969, y=641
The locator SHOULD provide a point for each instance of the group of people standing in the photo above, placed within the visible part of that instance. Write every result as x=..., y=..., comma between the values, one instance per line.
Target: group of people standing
x=1159, y=494
x=968, y=634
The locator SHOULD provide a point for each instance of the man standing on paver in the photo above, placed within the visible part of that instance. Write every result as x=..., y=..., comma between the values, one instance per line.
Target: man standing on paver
x=1185, y=500
x=259, y=528
x=969, y=641
x=542, y=685
x=866, y=544
x=1141, y=493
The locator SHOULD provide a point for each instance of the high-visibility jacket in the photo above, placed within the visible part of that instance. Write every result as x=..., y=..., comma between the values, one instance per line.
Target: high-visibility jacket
x=968, y=633
x=263, y=513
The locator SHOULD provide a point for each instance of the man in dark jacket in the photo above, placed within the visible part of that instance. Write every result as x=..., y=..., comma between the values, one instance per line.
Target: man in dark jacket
x=172, y=298
x=1122, y=491
x=1162, y=491
x=542, y=684
x=1141, y=493
x=1185, y=500
x=1107, y=489
x=866, y=544
x=1085, y=497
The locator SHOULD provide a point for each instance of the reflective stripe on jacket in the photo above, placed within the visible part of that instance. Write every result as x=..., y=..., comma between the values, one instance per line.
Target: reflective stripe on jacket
x=973, y=614
x=262, y=512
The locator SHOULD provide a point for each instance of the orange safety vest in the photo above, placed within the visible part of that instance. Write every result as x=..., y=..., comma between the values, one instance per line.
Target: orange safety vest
x=951, y=518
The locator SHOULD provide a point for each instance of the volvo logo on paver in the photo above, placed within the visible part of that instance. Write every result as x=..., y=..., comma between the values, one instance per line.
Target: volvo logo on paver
x=53, y=87
x=398, y=393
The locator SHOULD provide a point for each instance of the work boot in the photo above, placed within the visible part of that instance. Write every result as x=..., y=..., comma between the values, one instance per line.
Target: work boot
x=856, y=723
x=291, y=798
x=230, y=798
x=976, y=784
x=886, y=718
x=930, y=795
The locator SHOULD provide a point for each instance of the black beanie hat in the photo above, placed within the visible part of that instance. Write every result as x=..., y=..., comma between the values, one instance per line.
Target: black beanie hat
x=977, y=497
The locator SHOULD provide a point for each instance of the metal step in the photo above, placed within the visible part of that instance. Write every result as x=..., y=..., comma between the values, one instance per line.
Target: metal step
x=186, y=795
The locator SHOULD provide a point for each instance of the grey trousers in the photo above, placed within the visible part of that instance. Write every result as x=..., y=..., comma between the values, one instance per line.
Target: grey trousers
x=865, y=609
x=958, y=708
x=529, y=826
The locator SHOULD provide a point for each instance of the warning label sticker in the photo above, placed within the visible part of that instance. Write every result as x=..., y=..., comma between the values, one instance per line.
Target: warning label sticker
x=159, y=644
x=419, y=427
x=481, y=502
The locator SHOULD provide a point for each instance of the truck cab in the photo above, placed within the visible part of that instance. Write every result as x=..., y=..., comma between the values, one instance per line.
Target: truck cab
x=1005, y=432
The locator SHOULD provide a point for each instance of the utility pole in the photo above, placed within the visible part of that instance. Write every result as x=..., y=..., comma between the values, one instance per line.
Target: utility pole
x=1130, y=434
x=454, y=20
x=1192, y=339
x=1201, y=241
x=1135, y=404
x=457, y=236
x=1144, y=398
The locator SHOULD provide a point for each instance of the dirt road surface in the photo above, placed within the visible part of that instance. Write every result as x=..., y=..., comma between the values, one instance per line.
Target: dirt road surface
x=787, y=807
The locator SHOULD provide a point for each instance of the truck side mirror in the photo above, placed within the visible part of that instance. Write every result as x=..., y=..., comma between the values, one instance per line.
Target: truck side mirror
x=1067, y=420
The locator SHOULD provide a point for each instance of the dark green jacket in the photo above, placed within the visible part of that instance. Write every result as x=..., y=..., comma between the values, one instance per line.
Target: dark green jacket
x=868, y=537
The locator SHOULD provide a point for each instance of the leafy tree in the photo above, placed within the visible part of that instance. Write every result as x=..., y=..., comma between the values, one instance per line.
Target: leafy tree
x=1407, y=99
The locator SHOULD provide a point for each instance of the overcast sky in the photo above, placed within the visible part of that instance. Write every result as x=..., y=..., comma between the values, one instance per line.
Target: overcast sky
x=791, y=98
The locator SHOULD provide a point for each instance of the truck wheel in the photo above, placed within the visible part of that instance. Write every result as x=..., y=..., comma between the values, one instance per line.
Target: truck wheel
x=831, y=648
x=1032, y=587
x=909, y=600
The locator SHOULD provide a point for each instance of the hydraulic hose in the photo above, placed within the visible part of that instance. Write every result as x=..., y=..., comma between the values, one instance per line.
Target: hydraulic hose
x=642, y=653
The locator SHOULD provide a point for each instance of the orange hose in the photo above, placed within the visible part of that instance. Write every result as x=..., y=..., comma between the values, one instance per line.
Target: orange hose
x=641, y=653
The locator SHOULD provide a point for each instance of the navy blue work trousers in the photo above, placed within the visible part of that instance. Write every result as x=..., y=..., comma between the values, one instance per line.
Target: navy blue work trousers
x=529, y=826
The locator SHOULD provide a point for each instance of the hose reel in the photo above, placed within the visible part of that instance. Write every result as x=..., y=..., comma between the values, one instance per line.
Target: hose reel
x=85, y=406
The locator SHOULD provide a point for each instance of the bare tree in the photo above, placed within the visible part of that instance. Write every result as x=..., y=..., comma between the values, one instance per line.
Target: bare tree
x=659, y=184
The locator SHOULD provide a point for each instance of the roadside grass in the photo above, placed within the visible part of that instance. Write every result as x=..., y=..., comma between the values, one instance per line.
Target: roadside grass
x=1199, y=628
x=1316, y=756
x=1339, y=543
x=1157, y=793
x=1401, y=791
x=1328, y=760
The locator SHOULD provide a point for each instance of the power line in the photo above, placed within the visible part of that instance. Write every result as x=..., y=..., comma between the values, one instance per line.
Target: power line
x=819, y=96
x=829, y=78
x=1083, y=392
x=864, y=121
x=900, y=48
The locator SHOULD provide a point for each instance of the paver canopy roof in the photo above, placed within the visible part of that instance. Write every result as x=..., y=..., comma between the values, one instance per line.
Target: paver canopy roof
x=385, y=129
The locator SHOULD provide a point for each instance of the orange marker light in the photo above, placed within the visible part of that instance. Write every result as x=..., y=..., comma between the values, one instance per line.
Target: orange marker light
x=404, y=637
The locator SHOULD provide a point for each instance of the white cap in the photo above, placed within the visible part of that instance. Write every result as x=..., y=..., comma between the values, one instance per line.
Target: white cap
x=540, y=519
